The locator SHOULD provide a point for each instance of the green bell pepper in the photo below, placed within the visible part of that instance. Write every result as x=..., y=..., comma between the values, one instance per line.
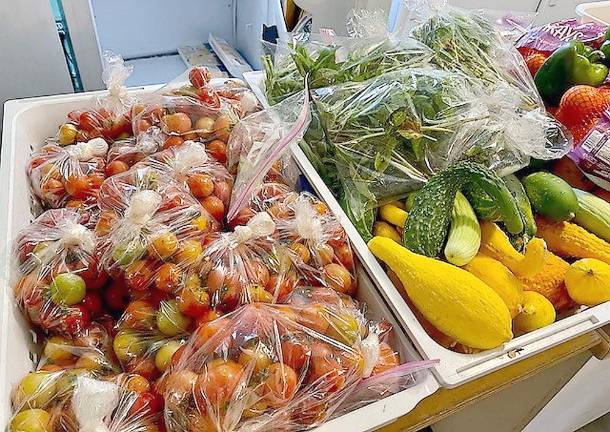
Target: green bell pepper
x=571, y=64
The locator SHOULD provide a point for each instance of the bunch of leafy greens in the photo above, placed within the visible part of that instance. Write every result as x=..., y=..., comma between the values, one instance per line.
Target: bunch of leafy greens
x=378, y=132
x=349, y=59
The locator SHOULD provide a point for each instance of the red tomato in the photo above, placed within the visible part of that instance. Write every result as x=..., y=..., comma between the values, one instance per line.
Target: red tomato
x=139, y=275
x=193, y=301
x=168, y=278
x=217, y=383
x=173, y=141
x=77, y=186
x=294, y=352
x=218, y=150
x=208, y=97
x=222, y=190
x=344, y=254
x=89, y=121
x=116, y=167
x=214, y=207
x=280, y=385
x=139, y=315
x=93, y=303
x=76, y=319
x=326, y=367
x=116, y=297
x=242, y=217
x=200, y=76
x=143, y=366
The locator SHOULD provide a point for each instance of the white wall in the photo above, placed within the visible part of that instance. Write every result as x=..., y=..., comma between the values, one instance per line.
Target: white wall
x=32, y=62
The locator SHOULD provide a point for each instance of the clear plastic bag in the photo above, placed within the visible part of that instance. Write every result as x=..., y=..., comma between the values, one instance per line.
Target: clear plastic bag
x=329, y=60
x=68, y=176
x=110, y=116
x=259, y=141
x=58, y=273
x=123, y=154
x=89, y=349
x=268, y=367
x=152, y=231
x=247, y=265
x=206, y=179
x=149, y=332
x=191, y=107
x=79, y=400
x=267, y=197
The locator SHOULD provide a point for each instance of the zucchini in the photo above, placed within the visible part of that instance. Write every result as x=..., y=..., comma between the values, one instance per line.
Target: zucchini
x=482, y=204
x=465, y=234
x=428, y=223
x=593, y=214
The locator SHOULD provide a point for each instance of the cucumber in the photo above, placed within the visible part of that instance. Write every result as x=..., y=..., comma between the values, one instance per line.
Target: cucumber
x=465, y=234
x=482, y=204
x=593, y=214
x=551, y=196
x=428, y=223
x=523, y=203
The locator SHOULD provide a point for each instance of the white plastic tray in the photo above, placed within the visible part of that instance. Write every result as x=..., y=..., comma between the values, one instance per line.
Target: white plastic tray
x=454, y=368
x=26, y=123
x=598, y=12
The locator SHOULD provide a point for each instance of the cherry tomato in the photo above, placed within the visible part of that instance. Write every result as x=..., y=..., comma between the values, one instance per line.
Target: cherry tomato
x=324, y=254
x=93, y=302
x=214, y=207
x=67, y=134
x=208, y=97
x=189, y=252
x=222, y=190
x=218, y=150
x=218, y=383
x=204, y=125
x=200, y=185
x=143, y=125
x=280, y=385
x=89, y=121
x=168, y=278
x=242, y=217
x=77, y=186
x=139, y=315
x=177, y=123
x=116, y=297
x=338, y=278
x=200, y=76
x=256, y=357
x=137, y=383
x=193, y=301
x=139, y=275
x=116, y=167
x=170, y=321
x=302, y=251
x=222, y=128
x=75, y=320
x=326, y=367
x=315, y=317
x=52, y=187
x=388, y=359
x=163, y=245
x=172, y=141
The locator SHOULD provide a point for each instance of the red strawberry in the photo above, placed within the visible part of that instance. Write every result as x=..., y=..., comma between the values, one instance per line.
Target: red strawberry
x=534, y=62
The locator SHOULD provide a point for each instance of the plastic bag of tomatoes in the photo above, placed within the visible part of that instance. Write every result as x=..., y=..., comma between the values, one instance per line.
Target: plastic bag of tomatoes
x=264, y=367
x=186, y=109
x=149, y=332
x=68, y=176
x=243, y=266
x=74, y=400
x=305, y=225
x=110, y=115
x=152, y=230
x=257, y=150
x=206, y=179
x=123, y=154
x=59, y=275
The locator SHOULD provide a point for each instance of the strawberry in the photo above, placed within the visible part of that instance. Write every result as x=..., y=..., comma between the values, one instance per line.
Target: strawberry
x=534, y=61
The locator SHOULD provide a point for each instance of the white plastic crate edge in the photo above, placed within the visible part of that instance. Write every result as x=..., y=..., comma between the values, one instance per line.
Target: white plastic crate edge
x=454, y=368
x=589, y=12
x=367, y=418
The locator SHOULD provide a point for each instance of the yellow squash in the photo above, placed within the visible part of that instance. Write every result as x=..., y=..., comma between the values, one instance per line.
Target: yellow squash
x=588, y=281
x=500, y=279
x=537, y=312
x=550, y=282
x=495, y=244
x=569, y=240
x=456, y=302
x=393, y=214
x=384, y=229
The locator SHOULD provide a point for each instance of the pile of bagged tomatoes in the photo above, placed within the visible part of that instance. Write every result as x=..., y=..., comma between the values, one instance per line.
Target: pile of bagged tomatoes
x=157, y=313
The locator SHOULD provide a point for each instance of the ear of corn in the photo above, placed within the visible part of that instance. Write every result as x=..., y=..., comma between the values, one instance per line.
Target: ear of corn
x=567, y=239
x=495, y=244
x=465, y=233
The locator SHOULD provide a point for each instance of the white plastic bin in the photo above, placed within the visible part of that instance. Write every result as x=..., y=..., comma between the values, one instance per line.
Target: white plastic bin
x=598, y=12
x=454, y=368
x=27, y=123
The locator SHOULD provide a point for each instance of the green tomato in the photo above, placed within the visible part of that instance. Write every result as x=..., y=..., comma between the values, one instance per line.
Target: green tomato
x=165, y=353
x=127, y=253
x=36, y=389
x=170, y=320
x=67, y=381
x=67, y=289
x=128, y=345
x=344, y=329
x=32, y=420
